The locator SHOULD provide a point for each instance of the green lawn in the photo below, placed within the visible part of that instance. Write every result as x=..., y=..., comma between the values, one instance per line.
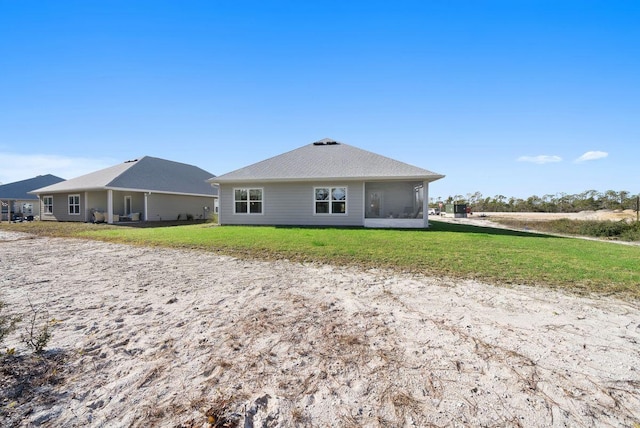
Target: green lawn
x=460, y=251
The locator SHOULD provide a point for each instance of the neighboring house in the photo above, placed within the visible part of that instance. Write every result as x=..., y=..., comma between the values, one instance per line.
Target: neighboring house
x=148, y=189
x=16, y=201
x=326, y=183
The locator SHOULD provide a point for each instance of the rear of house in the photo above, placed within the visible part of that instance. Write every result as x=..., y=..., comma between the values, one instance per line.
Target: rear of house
x=326, y=183
x=148, y=189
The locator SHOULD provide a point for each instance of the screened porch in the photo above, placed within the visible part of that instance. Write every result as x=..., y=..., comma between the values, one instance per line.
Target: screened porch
x=395, y=204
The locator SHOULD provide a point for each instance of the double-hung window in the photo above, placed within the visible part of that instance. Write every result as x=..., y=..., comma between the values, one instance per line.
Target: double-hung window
x=330, y=200
x=47, y=204
x=27, y=208
x=74, y=204
x=248, y=200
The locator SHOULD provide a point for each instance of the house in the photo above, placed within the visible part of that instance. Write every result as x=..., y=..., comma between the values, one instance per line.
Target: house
x=17, y=202
x=326, y=183
x=146, y=189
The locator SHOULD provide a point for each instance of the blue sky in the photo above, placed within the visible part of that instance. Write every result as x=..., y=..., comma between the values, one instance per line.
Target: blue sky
x=510, y=98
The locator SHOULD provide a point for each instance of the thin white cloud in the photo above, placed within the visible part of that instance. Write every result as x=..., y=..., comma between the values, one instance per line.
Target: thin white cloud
x=541, y=159
x=592, y=155
x=16, y=167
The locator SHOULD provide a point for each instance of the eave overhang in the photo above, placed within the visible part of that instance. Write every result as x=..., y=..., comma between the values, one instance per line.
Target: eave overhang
x=429, y=178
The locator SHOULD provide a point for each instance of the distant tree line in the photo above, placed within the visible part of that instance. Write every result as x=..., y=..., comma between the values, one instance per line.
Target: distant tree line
x=590, y=200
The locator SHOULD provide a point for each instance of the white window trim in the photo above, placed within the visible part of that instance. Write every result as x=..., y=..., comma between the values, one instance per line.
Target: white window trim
x=330, y=213
x=44, y=205
x=69, y=204
x=248, y=189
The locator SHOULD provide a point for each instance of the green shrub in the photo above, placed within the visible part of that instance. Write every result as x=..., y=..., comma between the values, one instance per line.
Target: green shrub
x=37, y=337
x=632, y=233
x=603, y=229
x=564, y=225
x=621, y=230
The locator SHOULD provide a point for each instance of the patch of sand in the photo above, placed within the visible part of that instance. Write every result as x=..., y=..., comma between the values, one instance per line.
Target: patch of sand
x=161, y=337
x=613, y=215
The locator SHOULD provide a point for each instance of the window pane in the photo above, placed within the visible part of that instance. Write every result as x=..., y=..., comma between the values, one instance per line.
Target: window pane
x=255, y=207
x=241, y=195
x=339, y=193
x=322, y=207
x=255, y=194
x=48, y=204
x=322, y=194
x=338, y=207
x=241, y=207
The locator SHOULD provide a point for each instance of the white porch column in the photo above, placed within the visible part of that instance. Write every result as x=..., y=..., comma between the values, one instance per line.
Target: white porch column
x=425, y=203
x=364, y=203
x=87, y=214
x=110, y=206
x=219, y=205
x=146, y=206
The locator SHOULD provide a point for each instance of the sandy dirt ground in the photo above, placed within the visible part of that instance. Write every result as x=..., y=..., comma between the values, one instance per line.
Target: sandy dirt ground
x=149, y=337
x=613, y=215
x=492, y=219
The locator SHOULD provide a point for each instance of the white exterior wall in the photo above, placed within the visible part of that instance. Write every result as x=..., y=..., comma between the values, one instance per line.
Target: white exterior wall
x=293, y=204
x=169, y=207
x=96, y=201
x=61, y=208
x=137, y=202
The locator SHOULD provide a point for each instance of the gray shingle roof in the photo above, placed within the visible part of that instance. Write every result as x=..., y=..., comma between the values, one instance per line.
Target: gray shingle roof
x=147, y=174
x=327, y=160
x=19, y=190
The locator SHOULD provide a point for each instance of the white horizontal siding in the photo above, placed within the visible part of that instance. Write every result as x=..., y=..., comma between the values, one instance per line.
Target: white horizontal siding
x=169, y=207
x=61, y=207
x=293, y=204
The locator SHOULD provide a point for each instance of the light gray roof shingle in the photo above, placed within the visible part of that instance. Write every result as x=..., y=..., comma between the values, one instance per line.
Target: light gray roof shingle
x=327, y=160
x=19, y=190
x=147, y=174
